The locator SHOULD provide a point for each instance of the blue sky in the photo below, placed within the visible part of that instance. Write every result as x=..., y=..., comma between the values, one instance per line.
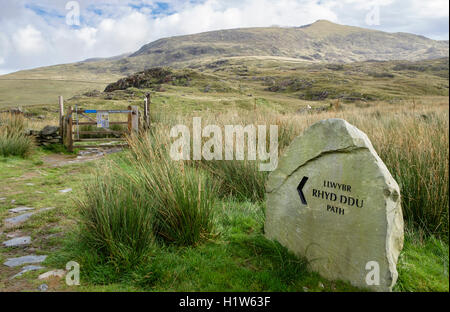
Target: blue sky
x=35, y=33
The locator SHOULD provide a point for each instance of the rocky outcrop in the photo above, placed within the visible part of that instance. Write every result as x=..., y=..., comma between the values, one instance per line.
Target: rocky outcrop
x=150, y=78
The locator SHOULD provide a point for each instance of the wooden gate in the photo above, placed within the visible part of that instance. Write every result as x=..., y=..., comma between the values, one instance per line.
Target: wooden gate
x=78, y=117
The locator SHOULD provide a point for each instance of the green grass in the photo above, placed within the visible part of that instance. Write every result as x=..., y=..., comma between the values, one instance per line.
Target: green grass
x=422, y=174
x=16, y=92
x=181, y=197
x=237, y=258
x=240, y=258
x=423, y=265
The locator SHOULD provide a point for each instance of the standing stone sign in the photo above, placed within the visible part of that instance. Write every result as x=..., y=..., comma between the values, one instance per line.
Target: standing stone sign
x=333, y=201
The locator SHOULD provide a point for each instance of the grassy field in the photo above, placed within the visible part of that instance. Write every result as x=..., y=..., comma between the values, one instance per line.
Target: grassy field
x=42, y=86
x=37, y=92
x=283, y=85
x=403, y=109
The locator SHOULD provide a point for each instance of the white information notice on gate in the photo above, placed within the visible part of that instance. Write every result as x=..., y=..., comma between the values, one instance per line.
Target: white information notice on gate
x=103, y=120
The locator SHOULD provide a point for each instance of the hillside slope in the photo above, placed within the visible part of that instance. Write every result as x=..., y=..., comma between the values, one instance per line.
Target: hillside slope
x=320, y=42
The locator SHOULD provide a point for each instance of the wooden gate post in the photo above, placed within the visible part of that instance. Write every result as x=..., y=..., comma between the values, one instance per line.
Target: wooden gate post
x=63, y=133
x=69, y=130
x=65, y=129
x=61, y=116
x=130, y=120
x=135, y=119
x=147, y=111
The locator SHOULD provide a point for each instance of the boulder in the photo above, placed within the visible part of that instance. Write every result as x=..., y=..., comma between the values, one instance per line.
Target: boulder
x=333, y=201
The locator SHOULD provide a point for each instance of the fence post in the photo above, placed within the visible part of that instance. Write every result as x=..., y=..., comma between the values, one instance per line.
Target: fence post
x=147, y=111
x=69, y=130
x=61, y=116
x=135, y=119
x=130, y=120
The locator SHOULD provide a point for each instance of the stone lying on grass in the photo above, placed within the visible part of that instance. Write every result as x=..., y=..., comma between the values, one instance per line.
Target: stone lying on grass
x=14, y=262
x=54, y=273
x=18, y=241
x=11, y=222
x=16, y=221
x=46, y=209
x=20, y=209
x=13, y=235
x=26, y=269
x=43, y=287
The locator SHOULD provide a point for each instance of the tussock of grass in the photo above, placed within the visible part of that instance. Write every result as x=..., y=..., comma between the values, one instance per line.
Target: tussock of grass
x=182, y=197
x=415, y=148
x=116, y=219
x=13, y=141
x=240, y=179
x=147, y=197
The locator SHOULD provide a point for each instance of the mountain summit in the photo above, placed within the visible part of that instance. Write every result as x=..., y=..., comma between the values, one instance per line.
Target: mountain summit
x=321, y=41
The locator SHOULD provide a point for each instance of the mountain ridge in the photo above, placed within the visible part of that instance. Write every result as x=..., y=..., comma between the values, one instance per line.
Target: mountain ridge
x=321, y=41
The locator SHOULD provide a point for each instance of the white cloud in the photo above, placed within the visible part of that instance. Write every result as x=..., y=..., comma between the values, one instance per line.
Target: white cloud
x=38, y=37
x=214, y=15
x=87, y=35
x=430, y=9
x=28, y=40
x=125, y=34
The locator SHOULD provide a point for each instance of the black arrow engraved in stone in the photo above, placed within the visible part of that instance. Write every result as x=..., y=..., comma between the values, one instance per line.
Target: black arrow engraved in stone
x=300, y=190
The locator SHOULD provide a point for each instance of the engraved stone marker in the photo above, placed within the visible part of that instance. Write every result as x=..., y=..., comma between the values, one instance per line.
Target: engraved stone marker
x=333, y=201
